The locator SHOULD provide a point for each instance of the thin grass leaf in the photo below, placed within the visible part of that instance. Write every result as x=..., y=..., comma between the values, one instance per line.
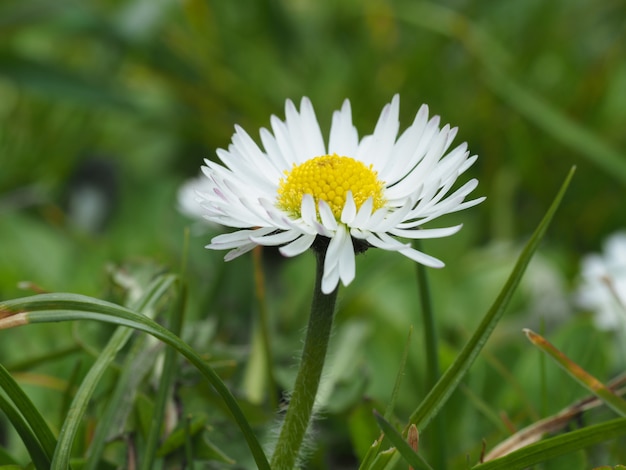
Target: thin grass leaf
x=584, y=378
x=440, y=393
x=557, y=446
x=35, y=420
x=73, y=382
x=371, y=455
x=137, y=364
x=551, y=424
x=35, y=449
x=165, y=384
x=383, y=459
x=179, y=437
x=83, y=395
x=431, y=350
x=408, y=454
x=188, y=447
x=76, y=412
x=46, y=308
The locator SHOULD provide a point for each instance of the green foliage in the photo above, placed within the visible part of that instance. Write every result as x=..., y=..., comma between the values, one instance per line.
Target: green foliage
x=130, y=95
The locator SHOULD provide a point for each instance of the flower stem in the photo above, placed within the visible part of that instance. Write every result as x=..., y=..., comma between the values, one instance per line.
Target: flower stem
x=300, y=408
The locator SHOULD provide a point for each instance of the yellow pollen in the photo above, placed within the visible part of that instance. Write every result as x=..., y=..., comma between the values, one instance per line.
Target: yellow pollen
x=329, y=178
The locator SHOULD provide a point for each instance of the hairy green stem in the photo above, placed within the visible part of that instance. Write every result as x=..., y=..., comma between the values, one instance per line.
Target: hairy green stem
x=300, y=408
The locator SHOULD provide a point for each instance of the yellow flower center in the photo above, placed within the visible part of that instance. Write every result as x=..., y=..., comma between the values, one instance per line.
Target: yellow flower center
x=329, y=178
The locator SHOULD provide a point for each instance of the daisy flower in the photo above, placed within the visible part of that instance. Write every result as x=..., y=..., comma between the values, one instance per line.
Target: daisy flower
x=344, y=196
x=603, y=287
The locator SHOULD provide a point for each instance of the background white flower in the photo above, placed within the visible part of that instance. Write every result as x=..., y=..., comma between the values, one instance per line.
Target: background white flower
x=189, y=204
x=188, y=198
x=352, y=193
x=603, y=288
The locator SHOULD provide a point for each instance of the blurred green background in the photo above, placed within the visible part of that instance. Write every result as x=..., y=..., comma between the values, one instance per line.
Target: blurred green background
x=107, y=107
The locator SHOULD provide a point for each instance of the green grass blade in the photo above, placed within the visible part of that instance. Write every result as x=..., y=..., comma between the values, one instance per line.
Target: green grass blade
x=165, y=385
x=45, y=308
x=412, y=458
x=137, y=364
x=188, y=448
x=135, y=367
x=613, y=401
x=383, y=459
x=431, y=352
x=370, y=456
x=26, y=407
x=557, y=446
x=74, y=417
x=439, y=394
x=82, y=397
x=36, y=450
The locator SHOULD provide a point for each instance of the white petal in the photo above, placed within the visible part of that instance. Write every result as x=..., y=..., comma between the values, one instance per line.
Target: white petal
x=276, y=239
x=231, y=255
x=304, y=132
x=327, y=216
x=298, y=246
x=376, y=218
x=418, y=156
x=330, y=280
x=384, y=135
x=307, y=209
x=344, y=139
x=422, y=234
x=339, y=262
x=235, y=239
x=347, y=262
x=364, y=213
x=422, y=258
x=385, y=242
x=283, y=142
x=404, y=157
x=391, y=220
x=349, y=209
x=273, y=150
x=466, y=205
x=433, y=154
x=311, y=129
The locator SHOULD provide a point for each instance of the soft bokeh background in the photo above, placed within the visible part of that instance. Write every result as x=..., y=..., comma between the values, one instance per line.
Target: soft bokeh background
x=107, y=107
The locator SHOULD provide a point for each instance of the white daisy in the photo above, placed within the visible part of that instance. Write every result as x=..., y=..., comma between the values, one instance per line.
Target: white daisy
x=349, y=195
x=603, y=288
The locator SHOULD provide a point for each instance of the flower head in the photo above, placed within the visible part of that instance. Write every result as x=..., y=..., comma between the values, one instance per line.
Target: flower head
x=350, y=194
x=603, y=287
